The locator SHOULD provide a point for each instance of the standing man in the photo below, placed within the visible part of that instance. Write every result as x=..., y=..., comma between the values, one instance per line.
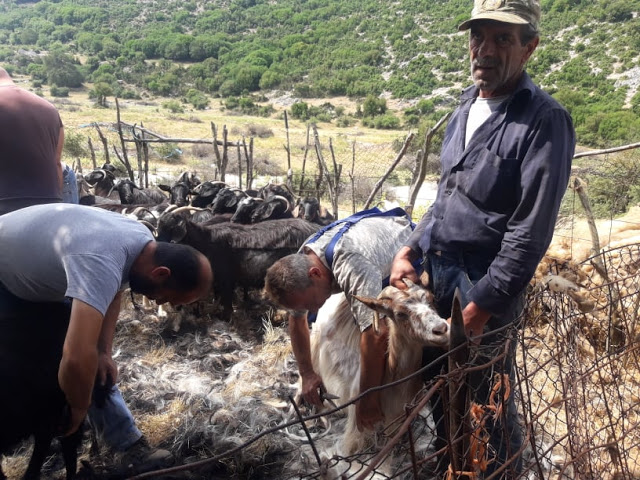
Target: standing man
x=506, y=159
x=360, y=261
x=31, y=141
x=63, y=268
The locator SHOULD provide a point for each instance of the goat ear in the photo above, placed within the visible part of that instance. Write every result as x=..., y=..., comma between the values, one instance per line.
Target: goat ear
x=380, y=305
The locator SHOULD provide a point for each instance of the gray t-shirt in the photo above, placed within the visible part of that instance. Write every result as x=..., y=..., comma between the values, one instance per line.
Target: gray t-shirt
x=362, y=258
x=49, y=252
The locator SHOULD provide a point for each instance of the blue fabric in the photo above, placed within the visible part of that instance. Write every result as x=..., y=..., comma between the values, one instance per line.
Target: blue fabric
x=499, y=196
x=114, y=422
x=69, y=185
x=346, y=224
x=351, y=220
x=448, y=272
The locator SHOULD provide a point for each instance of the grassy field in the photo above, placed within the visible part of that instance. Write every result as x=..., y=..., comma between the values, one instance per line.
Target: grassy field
x=78, y=112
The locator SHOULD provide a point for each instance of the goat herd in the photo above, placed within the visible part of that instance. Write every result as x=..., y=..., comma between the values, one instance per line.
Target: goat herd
x=242, y=232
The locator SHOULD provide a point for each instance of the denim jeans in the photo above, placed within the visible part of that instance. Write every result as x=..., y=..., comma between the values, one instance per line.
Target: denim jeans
x=45, y=324
x=114, y=422
x=69, y=185
x=462, y=270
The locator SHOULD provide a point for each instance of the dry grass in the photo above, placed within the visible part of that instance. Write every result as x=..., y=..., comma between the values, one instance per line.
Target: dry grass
x=77, y=112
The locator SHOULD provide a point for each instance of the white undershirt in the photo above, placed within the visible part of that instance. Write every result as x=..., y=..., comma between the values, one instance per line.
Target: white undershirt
x=481, y=109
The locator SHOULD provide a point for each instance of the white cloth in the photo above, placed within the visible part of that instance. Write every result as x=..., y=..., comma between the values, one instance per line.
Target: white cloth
x=481, y=109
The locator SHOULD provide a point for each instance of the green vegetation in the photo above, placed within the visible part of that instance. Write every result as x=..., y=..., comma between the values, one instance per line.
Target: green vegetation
x=239, y=49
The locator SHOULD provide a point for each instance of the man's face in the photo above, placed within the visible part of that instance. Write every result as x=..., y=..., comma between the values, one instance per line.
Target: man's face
x=155, y=289
x=497, y=57
x=311, y=298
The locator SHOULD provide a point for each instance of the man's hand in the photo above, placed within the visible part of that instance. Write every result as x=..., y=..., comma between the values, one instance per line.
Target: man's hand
x=402, y=268
x=76, y=418
x=368, y=412
x=475, y=318
x=311, y=384
x=107, y=371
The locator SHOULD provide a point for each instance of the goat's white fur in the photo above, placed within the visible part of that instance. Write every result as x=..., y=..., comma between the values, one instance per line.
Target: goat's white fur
x=335, y=352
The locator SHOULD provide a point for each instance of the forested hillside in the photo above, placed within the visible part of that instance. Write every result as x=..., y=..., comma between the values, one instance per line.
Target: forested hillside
x=242, y=49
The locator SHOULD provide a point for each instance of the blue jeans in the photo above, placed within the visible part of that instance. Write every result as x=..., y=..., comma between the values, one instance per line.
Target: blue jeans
x=462, y=270
x=69, y=185
x=114, y=422
x=20, y=318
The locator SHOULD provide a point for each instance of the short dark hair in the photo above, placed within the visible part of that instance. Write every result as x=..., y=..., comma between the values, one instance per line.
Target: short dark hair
x=287, y=275
x=184, y=263
x=527, y=33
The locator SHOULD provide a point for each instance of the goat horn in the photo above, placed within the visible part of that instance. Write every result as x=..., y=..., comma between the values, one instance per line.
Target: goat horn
x=150, y=227
x=285, y=199
x=187, y=207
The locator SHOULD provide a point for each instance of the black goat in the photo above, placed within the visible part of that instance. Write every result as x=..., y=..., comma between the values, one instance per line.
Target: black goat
x=227, y=200
x=130, y=193
x=103, y=183
x=245, y=209
x=179, y=193
x=280, y=189
x=273, y=208
x=148, y=212
x=239, y=254
x=204, y=194
x=310, y=209
x=189, y=178
x=31, y=401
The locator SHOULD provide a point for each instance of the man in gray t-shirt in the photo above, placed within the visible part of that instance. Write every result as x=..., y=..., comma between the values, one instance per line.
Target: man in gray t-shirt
x=303, y=282
x=61, y=253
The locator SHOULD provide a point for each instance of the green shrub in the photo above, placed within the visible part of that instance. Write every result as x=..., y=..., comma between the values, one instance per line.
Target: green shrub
x=198, y=99
x=59, y=91
x=173, y=106
x=169, y=152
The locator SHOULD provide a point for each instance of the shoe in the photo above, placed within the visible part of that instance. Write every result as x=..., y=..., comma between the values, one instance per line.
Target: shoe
x=142, y=457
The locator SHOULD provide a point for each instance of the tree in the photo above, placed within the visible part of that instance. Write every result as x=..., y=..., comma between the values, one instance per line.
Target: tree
x=100, y=92
x=373, y=106
x=62, y=70
x=300, y=110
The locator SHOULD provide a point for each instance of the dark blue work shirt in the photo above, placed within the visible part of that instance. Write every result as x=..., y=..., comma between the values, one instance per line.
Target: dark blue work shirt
x=499, y=196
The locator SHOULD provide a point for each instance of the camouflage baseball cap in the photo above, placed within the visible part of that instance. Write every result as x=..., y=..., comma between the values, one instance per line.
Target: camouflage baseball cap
x=508, y=11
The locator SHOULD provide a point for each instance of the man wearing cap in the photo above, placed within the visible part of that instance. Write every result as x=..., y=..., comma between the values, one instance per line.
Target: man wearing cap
x=506, y=159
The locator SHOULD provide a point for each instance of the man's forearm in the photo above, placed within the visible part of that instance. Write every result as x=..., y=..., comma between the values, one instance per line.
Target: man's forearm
x=107, y=332
x=76, y=376
x=300, y=342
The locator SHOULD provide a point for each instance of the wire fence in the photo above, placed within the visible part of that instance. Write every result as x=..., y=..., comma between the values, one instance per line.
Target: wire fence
x=577, y=374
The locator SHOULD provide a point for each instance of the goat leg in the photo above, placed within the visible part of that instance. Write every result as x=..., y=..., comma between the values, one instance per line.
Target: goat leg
x=42, y=442
x=70, y=446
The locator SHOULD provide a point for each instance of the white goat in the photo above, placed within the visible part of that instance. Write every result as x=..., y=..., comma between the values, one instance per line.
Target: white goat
x=335, y=351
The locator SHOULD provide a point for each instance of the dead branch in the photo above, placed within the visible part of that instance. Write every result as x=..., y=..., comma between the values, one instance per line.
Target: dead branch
x=105, y=144
x=420, y=170
x=392, y=167
x=607, y=150
x=304, y=163
x=333, y=193
x=124, y=158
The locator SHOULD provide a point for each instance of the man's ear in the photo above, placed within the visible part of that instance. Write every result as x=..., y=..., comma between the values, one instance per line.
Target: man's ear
x=315, y=272
x=161, y=273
